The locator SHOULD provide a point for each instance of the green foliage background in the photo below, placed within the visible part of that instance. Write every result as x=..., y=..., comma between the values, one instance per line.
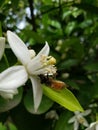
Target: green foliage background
x=71, y=29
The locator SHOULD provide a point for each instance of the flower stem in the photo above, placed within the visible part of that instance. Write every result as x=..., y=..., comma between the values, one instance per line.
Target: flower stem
x=6, y=60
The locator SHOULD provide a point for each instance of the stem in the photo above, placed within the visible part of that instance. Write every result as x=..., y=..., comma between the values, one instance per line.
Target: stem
x=60, y=17
x=31, y=5
x=6, y=60
x=0, y=30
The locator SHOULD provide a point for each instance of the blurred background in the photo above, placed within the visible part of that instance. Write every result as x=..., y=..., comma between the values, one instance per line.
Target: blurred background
x=71, y=29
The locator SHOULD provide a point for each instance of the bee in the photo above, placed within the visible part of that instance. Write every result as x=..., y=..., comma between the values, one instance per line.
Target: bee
x=53, y=83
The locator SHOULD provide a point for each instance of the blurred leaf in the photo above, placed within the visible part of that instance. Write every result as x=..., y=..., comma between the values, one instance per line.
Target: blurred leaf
x=62, y=123
x=46, y=103
x=64, y=97
x=6, y=105
x=11, y=126
x=15, y=3
x=67, y=64
x=55, y=24
x=3, y=65
x=10, y=57
x=91, y=67
x=32, y=36
x=72, y=84
x=91, y=2
x=91, y=9
x=26, y=121
x=74, y=48
x=86, y=23
x=70, y=27
x=95, y=90
x=2, y=127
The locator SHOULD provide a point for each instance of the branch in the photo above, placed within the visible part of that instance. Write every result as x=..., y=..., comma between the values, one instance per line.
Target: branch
x=31, y=5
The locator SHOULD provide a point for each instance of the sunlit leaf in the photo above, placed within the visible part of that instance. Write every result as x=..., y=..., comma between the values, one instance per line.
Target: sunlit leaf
x=11, y=126
x=64, y=97
x=2, y=127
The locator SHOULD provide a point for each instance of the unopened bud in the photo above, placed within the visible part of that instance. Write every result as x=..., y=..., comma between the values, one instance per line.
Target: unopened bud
x=32, y=53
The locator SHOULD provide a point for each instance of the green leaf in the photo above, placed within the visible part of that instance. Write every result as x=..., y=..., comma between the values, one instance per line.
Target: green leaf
x=46, y=103
x=6, y=105
x=11, y=126
x=91, y=67
x=62, y=123
x=70, y=27
x=64, y=97
x=2, y=127
x=67, y=64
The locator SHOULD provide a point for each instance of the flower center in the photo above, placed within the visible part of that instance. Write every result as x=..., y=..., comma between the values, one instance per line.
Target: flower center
x=48, y=62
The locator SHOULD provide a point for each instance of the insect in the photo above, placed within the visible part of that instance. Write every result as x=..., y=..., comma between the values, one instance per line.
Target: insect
x=53, y=83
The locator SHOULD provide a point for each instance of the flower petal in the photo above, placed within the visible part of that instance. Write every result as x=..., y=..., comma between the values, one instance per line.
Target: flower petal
x=72, y=119
x=85, y=123
x=2, y=46
x=37, y=92
x=45, y=50
x=85, y=113
x=35, y=63
x=92, y=126
x=18, y=47
x=13, y=77
x=76, y=125
x=8, y=94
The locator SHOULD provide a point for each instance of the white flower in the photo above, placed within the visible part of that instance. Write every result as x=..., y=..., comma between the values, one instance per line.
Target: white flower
x=78, y=118
x=40, y=64
x=2, y=46
x=52, y=115
x=93, y=126
x=10, y=80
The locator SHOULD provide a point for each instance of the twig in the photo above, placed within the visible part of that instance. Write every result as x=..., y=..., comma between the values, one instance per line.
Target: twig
x=31, y=5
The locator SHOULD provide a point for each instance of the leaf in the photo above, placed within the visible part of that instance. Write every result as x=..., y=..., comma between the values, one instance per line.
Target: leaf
x=62, y=123
x=67, y=64
x=91, y=67
x=2, y=127
x=11, y=126
x=46, y=103
x=64, y=97
x=6, y=105
x=70, y=27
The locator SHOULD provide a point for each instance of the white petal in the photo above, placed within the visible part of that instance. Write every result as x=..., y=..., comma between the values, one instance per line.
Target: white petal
x=35, y=63
x=92, y=126
x=85, y=123
x=85, y=113
x=2, y=46
x=18, y=47
x=37, y=92
x=76, y=125
x=13, y=77
x=45, y=50
x=8, y=94
x=72, y=119
x=97, y=126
